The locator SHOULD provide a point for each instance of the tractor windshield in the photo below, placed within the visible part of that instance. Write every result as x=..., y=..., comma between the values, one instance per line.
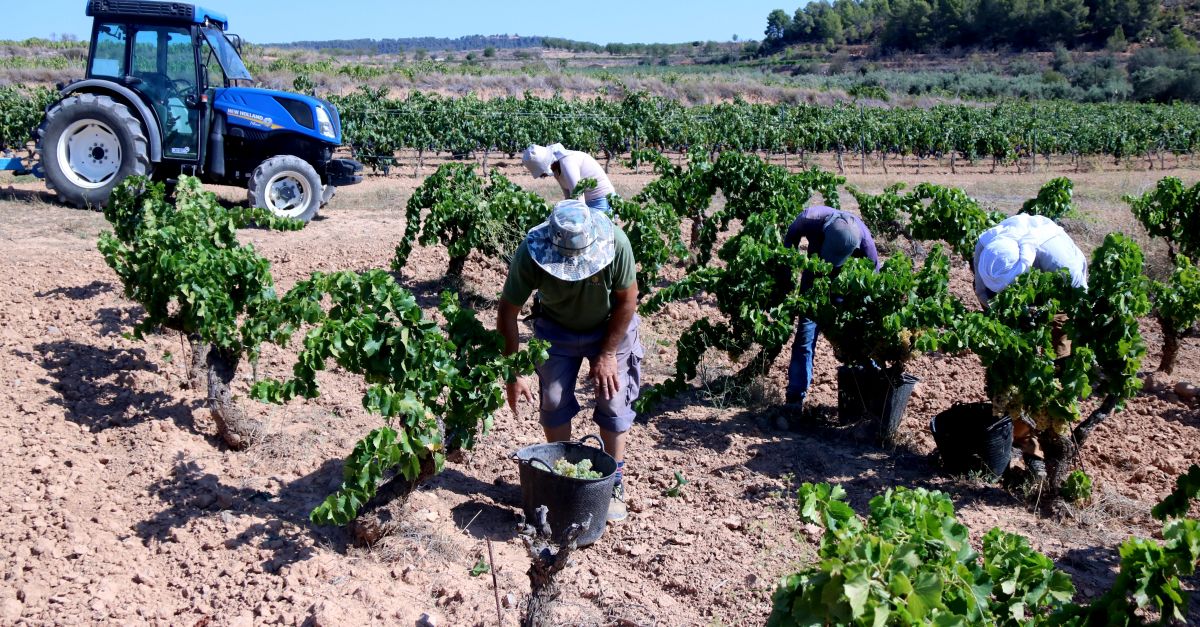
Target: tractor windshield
x=227, y=55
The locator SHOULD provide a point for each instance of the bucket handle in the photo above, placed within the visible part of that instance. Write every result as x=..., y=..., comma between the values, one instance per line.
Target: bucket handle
x=592, y=436
x=531, y=461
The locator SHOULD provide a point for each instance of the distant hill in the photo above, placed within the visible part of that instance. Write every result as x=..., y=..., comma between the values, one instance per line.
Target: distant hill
x=409, y=44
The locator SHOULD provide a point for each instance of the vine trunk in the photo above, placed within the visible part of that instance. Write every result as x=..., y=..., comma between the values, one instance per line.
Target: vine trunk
x=233, y=425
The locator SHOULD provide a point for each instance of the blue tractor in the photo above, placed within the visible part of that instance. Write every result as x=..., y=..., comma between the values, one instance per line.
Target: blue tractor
x=163, y=98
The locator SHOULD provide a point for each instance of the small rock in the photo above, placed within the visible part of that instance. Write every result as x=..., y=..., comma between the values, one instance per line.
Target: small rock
x=365, y=595
x=53, y=330
x=144, y=577
x=733, y=522
x=44, y=546
x=1186, y=391
x=638, y=550
x=326, y=614
x=243, y=620
x=451, y=598
x=41, y=463
x=412, y=576
x=33, y=594
x=814, y=532
x=428, y=620
x=683, y=539
x=10, y=610
x=509, y=601
x=204, y=501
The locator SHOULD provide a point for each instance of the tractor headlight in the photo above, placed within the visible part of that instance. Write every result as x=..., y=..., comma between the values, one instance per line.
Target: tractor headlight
x=324, y=124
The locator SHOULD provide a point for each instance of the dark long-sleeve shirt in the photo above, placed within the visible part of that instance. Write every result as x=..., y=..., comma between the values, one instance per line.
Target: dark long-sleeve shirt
x=810, y=225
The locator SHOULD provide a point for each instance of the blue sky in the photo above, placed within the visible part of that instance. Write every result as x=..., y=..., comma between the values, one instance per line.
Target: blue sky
x=291, y=20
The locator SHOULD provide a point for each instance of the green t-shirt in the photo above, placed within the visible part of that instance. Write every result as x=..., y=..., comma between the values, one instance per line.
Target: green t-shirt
x=576, y=305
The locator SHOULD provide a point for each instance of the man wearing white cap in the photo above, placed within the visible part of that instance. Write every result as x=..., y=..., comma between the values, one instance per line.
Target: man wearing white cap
x=1019, y=244
x=569, y=167
x=582, y=267
x=1008, y=250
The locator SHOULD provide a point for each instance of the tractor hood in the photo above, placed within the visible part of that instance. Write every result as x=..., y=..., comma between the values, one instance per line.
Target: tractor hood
x=269, y=111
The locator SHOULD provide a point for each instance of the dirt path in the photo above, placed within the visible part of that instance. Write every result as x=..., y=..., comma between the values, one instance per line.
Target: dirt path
x=119, y=505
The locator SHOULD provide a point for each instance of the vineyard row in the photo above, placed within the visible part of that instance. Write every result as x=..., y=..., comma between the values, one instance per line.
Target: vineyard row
x=377, y=127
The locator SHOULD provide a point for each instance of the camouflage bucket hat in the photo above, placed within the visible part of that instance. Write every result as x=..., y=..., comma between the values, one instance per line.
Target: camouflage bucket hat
x=575, y=243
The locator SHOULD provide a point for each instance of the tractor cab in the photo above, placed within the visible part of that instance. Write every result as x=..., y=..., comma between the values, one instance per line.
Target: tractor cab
x=173, y=55
x=164, y=96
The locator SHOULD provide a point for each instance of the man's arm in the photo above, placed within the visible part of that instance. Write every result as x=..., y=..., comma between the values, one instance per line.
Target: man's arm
x=604, y=368
x=868, y=246
x=506, y=325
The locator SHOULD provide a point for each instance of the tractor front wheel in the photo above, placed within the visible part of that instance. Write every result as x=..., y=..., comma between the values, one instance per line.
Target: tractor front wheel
x=88, y=144
x=286, y=186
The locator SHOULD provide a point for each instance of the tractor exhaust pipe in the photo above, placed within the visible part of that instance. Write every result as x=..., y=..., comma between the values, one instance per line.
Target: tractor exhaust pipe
x=216, y=146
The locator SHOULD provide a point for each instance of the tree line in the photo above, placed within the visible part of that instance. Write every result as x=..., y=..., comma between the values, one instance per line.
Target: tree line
x=936, y=24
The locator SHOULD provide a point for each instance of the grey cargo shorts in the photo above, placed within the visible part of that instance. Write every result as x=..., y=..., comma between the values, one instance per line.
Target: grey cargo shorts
x=557, y=376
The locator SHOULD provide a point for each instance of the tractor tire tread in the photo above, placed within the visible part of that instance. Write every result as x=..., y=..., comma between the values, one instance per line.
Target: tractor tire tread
x=128, y=124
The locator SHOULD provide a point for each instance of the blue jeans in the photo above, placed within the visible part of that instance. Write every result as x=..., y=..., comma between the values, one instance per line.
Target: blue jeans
x=800, y=370
x=600, y=204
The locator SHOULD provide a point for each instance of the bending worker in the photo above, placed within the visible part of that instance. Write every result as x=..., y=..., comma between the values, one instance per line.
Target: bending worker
x=835, y=236
x=582, y=266
x=1005, y=252
x=569, y=167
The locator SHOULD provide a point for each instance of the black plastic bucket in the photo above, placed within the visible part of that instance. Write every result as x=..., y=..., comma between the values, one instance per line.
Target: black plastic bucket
x=567, y=499
x=870, y=394
x=969, y=438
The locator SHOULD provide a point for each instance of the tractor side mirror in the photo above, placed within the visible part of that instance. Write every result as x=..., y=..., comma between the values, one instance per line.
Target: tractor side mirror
x=236, y=40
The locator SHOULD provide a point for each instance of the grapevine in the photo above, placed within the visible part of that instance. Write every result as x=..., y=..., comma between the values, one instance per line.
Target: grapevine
x=910, y=561
x=755, y=290
x=183, y=264
x=1172, y=212
x=436, y=389
x=885, y=318
x=466, y=213
x=21, y=110
x=1054, y=200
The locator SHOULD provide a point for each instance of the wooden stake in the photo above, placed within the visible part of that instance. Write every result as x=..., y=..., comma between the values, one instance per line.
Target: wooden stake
x=495, y=588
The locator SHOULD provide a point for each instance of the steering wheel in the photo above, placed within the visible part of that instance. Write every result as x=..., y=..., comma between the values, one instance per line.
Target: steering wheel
x=182, y=87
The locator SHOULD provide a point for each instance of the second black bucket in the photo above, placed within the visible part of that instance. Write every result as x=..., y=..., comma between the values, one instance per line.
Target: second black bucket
x=969, y=439
x=568, y=500
x=871, y=394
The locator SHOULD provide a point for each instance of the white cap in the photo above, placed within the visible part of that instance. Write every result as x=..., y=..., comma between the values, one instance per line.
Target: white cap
x=1000, y=263
x=538, y=159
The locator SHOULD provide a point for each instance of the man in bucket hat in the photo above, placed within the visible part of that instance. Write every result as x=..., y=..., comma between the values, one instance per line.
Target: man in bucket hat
x=569, y=167
x=835, y=236
x=582, y=267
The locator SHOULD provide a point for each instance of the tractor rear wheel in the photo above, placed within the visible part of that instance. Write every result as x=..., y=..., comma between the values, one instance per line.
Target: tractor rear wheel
x=286, y=186
x=88, y=144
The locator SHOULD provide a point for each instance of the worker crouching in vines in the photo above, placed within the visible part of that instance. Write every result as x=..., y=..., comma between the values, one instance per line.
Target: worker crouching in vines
x=582, y=267
x=835, y=236
x=569, y=167
x=1008, y=250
